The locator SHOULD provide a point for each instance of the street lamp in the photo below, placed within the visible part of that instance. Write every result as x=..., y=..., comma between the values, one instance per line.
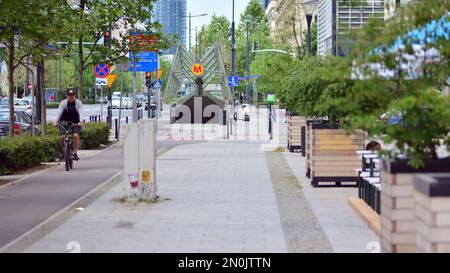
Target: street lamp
x=308, y=7
x=190, y=19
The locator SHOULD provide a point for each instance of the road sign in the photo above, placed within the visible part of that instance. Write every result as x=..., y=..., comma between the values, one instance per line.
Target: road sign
x=245, y=78
x=102, y=70
x=198, y=69
x=233, y=81
x=111, y=79
x=101, y=81
x=30, y=86
x=145, y=62
x=143, y=39
x=158, y=84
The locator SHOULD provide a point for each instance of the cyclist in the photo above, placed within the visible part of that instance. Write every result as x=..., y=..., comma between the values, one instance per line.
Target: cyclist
x=70, y=109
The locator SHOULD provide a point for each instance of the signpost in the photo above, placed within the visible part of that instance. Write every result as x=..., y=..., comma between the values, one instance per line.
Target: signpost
x=145, y=62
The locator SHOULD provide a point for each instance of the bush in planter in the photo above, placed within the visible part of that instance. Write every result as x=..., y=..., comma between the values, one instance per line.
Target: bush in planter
x=94, y=134
x=404, y=91
x=26, y=152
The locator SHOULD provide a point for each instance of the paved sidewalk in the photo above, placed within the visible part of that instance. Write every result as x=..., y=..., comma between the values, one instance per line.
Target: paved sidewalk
x=215, y=197
x=346, y=231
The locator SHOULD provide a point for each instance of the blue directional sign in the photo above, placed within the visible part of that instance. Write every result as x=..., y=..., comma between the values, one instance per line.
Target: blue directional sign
x=245, y=78
x=233, y=81
x=145, y=62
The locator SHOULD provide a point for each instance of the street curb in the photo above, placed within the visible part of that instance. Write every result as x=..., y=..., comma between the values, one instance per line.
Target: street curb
x=32, y=236
x=59, y=165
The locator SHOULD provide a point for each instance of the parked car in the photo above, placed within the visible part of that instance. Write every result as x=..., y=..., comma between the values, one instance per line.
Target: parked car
x=19, y=104
x=22, y=124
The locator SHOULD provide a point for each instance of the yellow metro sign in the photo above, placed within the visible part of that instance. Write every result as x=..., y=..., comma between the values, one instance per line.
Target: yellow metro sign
x=198, y=69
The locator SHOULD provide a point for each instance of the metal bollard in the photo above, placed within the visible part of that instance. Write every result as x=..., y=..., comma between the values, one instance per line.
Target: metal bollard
x=116, y=122
x=126, y=120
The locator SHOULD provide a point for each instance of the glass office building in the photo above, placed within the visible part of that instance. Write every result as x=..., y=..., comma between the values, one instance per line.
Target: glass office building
x=172, y=15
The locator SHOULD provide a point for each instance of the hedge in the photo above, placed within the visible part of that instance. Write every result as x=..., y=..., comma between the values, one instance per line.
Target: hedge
x=52, y=105
x=26, y=151
x=92, y=134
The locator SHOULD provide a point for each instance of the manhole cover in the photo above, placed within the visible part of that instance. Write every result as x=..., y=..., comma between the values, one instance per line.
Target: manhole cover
x=125, y=225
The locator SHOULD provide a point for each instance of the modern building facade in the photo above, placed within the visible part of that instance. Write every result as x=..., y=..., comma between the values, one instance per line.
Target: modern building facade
x=172, y=15
x=337, y=18
x=271, y=15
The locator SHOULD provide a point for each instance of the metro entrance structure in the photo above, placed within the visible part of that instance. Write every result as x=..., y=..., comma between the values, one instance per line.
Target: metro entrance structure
x=198, y=99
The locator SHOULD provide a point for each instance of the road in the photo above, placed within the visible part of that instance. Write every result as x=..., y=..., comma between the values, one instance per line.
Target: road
x=28, y=203
x=94, y=110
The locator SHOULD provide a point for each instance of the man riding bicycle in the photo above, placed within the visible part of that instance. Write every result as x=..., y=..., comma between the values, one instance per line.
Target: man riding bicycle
x=70, y=110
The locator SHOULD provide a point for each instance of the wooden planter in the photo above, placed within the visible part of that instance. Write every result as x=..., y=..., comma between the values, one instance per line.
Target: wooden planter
x=333, y=156
x=295, y=123
x=398, y=230
x=308, y=146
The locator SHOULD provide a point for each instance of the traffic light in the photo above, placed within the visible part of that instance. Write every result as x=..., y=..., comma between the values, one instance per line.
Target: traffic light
x=255, y=46
x=148, y=79
x=107, y=38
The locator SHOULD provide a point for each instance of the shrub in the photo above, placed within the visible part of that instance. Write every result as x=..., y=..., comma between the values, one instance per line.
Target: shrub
x=52, y=105
x=26, y=152
x=94, y=134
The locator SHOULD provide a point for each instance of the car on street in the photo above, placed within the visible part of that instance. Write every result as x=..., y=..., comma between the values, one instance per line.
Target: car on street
x=152, y=103
x=19, y=104
x=22, y=124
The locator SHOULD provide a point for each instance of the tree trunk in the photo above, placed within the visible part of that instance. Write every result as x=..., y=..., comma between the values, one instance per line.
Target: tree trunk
x=11, y=85
x=43, y=102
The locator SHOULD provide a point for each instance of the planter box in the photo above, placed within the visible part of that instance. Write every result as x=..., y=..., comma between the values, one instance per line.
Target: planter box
x=432, y=212
x=398, y=205
x=333, y=156
x=295, y=123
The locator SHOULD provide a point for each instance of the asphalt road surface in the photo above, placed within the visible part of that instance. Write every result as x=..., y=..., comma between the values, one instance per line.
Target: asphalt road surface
x=28, y=203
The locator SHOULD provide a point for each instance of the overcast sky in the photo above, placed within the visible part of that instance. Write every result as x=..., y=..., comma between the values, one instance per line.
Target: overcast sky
x=218, y=7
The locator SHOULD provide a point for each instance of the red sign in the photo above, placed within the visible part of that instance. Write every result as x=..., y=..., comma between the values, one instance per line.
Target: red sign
x=102, y=70
x=30, y=86
x=143, y=39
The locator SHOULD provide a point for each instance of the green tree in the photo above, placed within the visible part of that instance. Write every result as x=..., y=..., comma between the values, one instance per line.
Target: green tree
x=35, y=31
x=91, y=19
x=217, y=31
x=259, y=32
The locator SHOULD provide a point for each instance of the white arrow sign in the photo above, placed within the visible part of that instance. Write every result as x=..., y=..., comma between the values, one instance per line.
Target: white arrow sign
x=101, y=81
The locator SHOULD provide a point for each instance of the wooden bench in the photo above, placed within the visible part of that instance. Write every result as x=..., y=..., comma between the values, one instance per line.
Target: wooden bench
x=332, y=155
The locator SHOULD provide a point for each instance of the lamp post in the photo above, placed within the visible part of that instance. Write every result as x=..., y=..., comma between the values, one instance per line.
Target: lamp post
x=190, y=16
x=308, y=7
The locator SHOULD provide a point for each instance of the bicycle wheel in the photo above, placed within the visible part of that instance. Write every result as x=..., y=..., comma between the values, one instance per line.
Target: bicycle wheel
x=67, y=156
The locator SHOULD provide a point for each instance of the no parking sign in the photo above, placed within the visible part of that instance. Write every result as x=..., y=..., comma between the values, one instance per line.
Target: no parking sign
x=102, y=70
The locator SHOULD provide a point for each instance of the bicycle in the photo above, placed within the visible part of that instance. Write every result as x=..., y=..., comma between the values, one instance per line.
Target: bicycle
x=68, y=144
